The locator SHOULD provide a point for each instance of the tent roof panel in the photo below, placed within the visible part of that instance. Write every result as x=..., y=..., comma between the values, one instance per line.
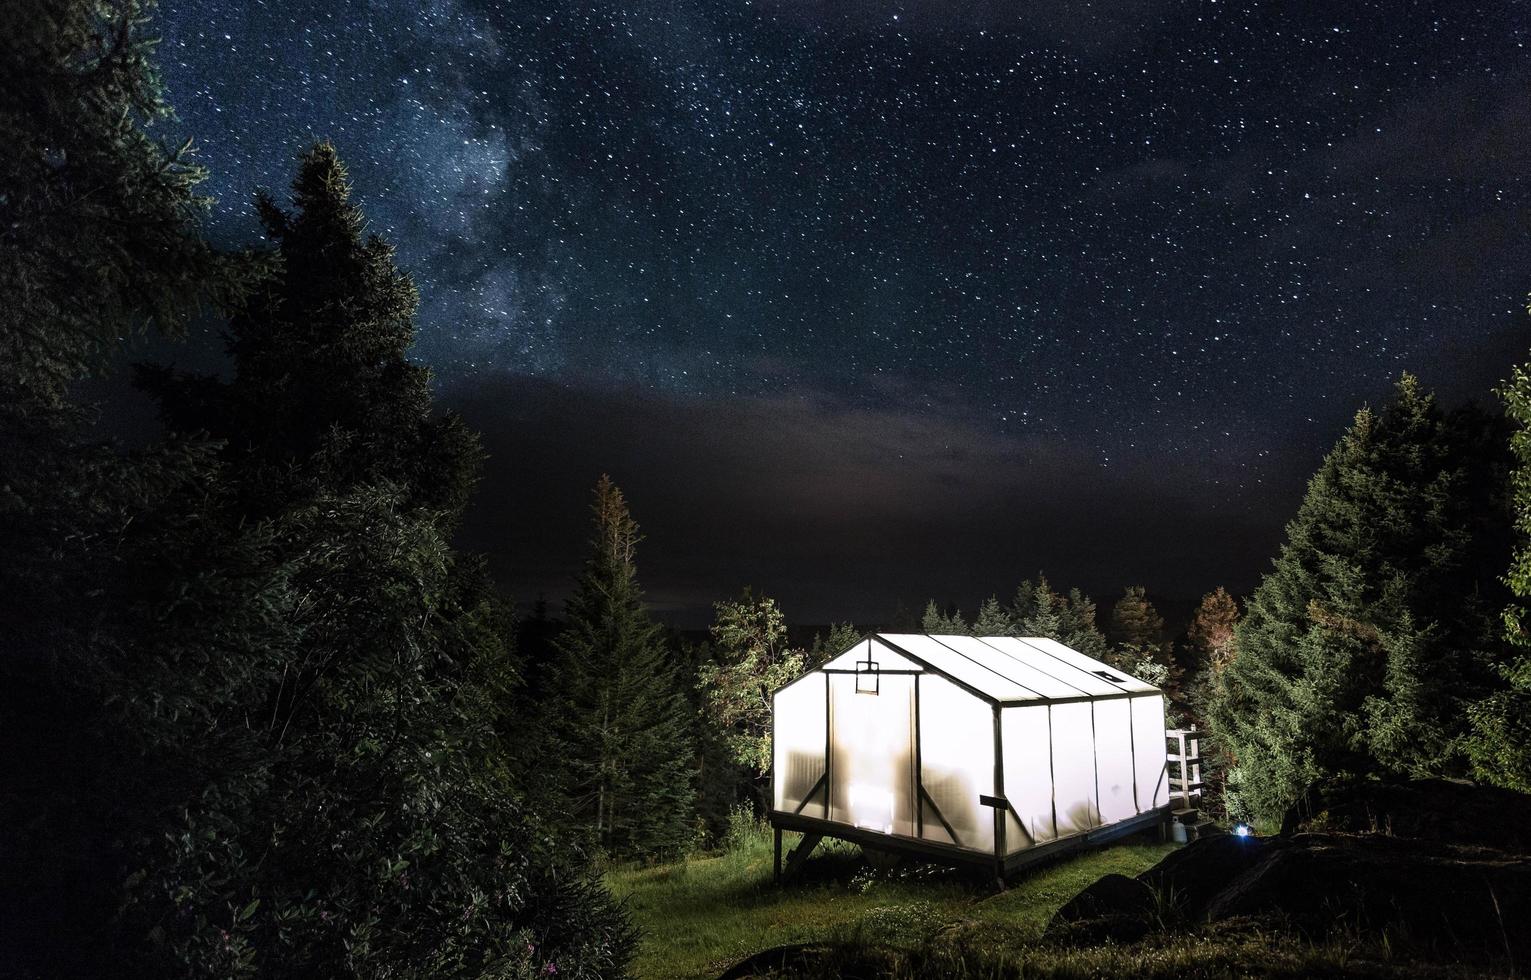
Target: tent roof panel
x=1069, y=655
x=1075, y=675
x=1008, y=669
x=1047, y=684
x=944, y=660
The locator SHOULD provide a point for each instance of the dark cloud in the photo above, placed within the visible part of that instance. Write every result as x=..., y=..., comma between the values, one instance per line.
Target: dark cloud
x=838, y=509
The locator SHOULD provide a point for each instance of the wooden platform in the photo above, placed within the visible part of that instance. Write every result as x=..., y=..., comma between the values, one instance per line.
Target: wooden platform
x=950, y=854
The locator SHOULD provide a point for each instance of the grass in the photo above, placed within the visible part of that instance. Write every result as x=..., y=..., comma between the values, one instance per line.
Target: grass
x=701, y=915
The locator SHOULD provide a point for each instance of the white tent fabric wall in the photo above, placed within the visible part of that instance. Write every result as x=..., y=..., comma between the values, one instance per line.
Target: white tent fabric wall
x=956, y=763
x=798, y=740
x=911, y=725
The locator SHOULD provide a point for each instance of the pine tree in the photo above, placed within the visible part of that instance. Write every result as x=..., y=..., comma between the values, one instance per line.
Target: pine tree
x=1077, y=627
x=618, y=715
x=840, y=638
x=362, y=744
x=1044, y=617
x=942, y=624
x=1361, y=648
x=101, y=221
x=98, y=241
x=1070, y=619
x=992, y=619
x=1211, y=633
x=1500, y=742
x=1139, y=645
x=272, y=735
x=1135, y=623
x=324, y=398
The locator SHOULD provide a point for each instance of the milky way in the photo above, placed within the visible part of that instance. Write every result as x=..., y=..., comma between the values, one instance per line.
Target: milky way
x=1144, y=230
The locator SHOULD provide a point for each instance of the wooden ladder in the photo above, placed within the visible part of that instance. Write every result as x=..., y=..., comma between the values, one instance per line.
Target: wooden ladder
x=1183, y=759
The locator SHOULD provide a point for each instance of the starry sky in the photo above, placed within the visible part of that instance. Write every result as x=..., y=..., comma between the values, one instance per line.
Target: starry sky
x=866, y=302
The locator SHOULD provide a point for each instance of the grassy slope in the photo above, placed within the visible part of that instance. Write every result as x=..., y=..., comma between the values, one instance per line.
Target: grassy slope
x=700, y=915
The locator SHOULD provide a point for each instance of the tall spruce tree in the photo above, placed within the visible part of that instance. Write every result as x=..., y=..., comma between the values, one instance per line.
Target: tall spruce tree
x=1500, y=743
x=363, y=755
x=992, y=619
x=272, y=740
x=325, y=399
x=1372, y=632
x=1211, y=633
x=1135, y=623
x=1077, y=625
x=1139, y=644
x=98, y=241
x=1070, y=619
x=943, y=624
x=618, y=716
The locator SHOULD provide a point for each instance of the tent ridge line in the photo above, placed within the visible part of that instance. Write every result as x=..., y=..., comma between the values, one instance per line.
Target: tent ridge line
x=932, y=668
x=1003, y=652
x=991, y=670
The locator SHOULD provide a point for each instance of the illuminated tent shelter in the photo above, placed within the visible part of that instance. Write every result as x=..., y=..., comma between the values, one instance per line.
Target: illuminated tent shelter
x=997, y=749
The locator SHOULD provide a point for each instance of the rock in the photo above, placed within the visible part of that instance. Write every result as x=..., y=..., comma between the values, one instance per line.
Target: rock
x=1111, y=895
x=1458, y=900
x=1431, y=865
x=1445, y=810
x=1188, y=879
x=1114, y=907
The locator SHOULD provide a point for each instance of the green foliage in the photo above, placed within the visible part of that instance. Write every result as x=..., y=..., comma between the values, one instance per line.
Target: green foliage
x=324, y=398
x=751, y=661
x=840, y=638
x=254, y=697
x=1500, y=743
x=1361, y=649
x=943, y=624
x=348, y=808
x=992, y=619
x=618, y=723
x=1070, y=619
x=100, y=221
x=1211, y=633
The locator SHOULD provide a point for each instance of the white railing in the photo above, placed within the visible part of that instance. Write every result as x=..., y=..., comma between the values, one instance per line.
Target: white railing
x=1184, y=760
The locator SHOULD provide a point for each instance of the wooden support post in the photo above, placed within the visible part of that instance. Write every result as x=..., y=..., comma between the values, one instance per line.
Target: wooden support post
x=777, y=876
x=1001, y=807
x=801, y=851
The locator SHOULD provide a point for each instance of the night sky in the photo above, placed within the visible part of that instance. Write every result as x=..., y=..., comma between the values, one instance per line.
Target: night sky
x=863, y=303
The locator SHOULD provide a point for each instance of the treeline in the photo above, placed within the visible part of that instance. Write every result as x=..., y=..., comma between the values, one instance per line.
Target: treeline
x=1134, y=639
x=1381, y=644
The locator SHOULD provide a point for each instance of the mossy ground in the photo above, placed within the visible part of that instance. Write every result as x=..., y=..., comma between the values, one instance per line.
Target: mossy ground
x=705, y=913
x=702, y=915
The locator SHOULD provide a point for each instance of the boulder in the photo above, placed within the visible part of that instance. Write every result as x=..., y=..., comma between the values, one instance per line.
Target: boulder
x=1187, y=880
x=1113, y=907
x=1430, y=864
x=1455, y=900
x=1445, y=810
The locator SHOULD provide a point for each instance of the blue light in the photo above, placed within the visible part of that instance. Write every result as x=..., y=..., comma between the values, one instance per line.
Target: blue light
x=1242, y=830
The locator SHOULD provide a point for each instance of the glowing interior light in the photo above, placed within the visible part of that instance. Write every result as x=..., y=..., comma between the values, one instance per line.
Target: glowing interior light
x=1242, y=830
x=872, y=807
